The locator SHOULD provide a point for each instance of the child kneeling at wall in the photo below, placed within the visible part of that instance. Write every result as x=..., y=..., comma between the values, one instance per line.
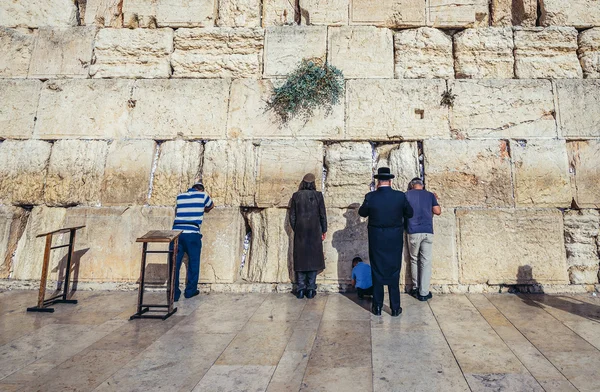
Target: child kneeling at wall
x=361, y=277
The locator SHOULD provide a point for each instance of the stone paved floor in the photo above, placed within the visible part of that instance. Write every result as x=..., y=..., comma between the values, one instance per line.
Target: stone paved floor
x=274, y=342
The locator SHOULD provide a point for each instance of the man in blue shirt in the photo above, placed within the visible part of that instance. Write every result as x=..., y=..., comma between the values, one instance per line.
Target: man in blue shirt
x=420, y=237
x=189, y=213
x=361, y=277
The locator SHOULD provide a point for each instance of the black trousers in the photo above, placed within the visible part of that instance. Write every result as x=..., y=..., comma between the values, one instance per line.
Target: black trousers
x=363, y=292
x=306, y=280
x=394, y=291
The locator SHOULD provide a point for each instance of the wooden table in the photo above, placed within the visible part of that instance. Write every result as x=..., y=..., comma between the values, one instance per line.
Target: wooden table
x=158, y=236
x=43, y=303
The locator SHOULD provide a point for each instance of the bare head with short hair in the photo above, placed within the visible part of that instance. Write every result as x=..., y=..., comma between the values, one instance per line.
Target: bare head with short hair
x=415, y=183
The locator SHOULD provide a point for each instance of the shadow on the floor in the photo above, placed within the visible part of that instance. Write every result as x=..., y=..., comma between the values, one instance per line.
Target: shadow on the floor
x=363, y=303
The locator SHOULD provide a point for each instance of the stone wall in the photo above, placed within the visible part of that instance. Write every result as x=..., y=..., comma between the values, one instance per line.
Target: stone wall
x=109, y=108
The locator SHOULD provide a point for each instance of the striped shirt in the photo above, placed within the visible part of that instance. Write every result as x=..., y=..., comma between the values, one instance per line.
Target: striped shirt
x=190, y=210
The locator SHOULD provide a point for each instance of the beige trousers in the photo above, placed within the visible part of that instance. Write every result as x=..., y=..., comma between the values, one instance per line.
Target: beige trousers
x=420, y=247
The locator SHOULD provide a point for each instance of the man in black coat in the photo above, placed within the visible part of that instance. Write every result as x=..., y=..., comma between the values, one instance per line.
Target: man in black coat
x=386, y=209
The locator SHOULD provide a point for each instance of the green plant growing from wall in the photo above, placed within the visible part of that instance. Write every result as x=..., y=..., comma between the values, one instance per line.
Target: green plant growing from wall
x=448, y=98
x=314, y=84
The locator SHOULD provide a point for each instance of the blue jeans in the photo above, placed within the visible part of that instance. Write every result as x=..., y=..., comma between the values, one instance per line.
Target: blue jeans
x=190, y=244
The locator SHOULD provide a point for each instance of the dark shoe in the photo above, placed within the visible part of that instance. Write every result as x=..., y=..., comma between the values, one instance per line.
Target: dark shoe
x=311, y=294
x=300, y=294
x=425, y=297
x=376, y=309
x=176, y=299
x=197, y=292
x=397, y=312
x=360, y=296
x=414, y=292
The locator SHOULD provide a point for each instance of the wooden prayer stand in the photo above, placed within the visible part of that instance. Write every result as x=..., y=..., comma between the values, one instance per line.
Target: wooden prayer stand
x=158, y=236
x=43, y=304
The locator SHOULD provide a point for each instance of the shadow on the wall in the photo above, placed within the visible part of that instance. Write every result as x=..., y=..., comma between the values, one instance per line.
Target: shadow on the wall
x=290, y=250
x=74, y=276
x=350, y=242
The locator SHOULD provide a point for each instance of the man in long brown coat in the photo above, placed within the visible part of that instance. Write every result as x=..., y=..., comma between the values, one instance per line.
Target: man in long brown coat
x=308, y=219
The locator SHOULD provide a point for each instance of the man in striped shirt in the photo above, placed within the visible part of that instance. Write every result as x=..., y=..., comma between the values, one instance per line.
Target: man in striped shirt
x=189, y=213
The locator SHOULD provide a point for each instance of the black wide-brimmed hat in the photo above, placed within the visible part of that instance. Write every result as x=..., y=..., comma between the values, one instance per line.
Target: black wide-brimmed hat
x=383, y=173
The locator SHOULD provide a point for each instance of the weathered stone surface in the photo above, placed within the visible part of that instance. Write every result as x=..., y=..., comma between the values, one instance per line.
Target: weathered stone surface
x=589, y=53
x=218, y=53
x=541, y=173
x=132, y=53
x=484, y=53
x=127, y=173
x=63, y=53
x=19, y=104
x=514, y=13
x=250, y=118
x=75, y=172
x=467, y=173
x=445, y=255
x=163, y=109
x=458, y=13
x=583, y=156
x=23, y=166
x=16, y=46
x=578, y=107
x=511, y=246
x=403, y=161
x=179, y=166
x=577, y=13
x=277, y=178
x=503, y=108
x=388, y=13
x=395, y=109
x=271, y=249
x=278, y=13
x=12, y=225
x=423, y=53
x=582, y=229
x=362, y=51
x=86, y=109
x=103, y=13
x=286, y=47
x=239, y=13
x=349, y=173
x=228, y=172
x=546, y=53
x=324, y=12
x=169, y=13
x=38, y=13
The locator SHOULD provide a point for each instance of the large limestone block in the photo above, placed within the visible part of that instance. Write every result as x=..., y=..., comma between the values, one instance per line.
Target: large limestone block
x=445, y=255
x=541, y=173
x=423, y=53
x=165, y=109
x=388, y=13
x=65, y=53
x=38, y=13
x=16, y=46
x=582, y=229
x=579, y=108
x=239, y=13
x=589, y=53
x=223, y=231
x=349, y=172
x=132, y=53
x=12, y=225
x=218, y=53
x=362, y=51
x=169, y=13
x=271, y=249
x=395, y=109
x=584, y=159
x=403, y=161
x=484, y=53
x=279, y=13
x=544, y=53
x=281, y=167
x=503, y=108
x=286, y=47
x=179, y=166
x=103, y=13
x=249, y=117
x=458, y=13
x=23, y=166
x=18, y=109
x=85, y=109
x=577, y=13
x=229, y=172
x=514, y=12
x=75, y=172
x=127, y=173
x=467, y=173
x=511, y=247
x=324, y=12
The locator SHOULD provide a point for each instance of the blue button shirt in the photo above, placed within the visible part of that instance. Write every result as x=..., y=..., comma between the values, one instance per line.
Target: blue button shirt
x=362, y=275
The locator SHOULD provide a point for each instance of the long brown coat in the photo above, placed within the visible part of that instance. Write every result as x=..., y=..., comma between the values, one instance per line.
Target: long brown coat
x=308, y=219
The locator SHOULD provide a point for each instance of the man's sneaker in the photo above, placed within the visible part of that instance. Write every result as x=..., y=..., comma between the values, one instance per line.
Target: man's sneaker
x=425, y=297
x=414, y=292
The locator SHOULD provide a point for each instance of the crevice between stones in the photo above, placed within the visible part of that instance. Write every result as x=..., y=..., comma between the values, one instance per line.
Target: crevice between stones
x=153, y=171
x=80, y=5
x=17, y=229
